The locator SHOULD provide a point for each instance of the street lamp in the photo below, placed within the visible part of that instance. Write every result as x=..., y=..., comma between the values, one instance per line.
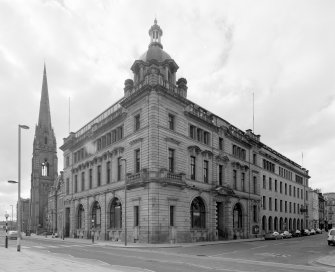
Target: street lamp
x=19, y=189
x=125, y=201
x=6, y=243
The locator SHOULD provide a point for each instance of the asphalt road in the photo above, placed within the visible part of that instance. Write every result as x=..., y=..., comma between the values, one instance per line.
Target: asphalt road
x=296, y=254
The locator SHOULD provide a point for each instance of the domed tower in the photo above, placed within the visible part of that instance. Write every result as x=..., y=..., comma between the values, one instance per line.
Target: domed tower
x=154, y=67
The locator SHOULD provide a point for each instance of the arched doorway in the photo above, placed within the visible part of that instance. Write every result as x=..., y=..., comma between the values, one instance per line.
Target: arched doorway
x=96, y=215
x=198, y=213
x=80, y=217
x=115, y=214
x=237, y=217
x=270, y=224
x=264, y=223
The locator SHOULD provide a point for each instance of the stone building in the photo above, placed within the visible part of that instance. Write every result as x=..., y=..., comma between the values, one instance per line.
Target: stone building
x=329, y=210
x=313, y=208
x=44, y=163
x=155, y=167
x=25, y=208
x=322, y=204
x=284, y=189
x=55, y=208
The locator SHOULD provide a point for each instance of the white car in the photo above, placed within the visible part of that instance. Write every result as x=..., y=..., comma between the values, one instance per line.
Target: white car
x=331, y=237
x=312, y=231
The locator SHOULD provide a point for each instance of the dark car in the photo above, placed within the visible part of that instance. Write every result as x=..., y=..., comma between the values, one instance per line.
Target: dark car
x=272, y=236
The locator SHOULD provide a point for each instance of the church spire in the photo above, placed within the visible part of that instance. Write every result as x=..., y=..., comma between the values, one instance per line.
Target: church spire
x=44, y=118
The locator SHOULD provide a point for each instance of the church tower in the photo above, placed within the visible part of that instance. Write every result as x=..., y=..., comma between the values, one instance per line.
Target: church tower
x=44, y=162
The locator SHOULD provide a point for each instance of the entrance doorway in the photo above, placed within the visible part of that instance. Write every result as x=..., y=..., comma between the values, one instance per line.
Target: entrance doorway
x=67, y=222
x=219, y=221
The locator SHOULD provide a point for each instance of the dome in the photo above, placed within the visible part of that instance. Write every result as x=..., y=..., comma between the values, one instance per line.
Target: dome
x=155, y=52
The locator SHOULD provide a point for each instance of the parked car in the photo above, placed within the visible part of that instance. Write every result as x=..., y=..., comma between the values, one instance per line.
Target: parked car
x=306, y=232
x=318, y=230
x=272, y=236
x=296, y=233
x=312, y=232
x=331, y=237
x=286, y=234
x=12, y=234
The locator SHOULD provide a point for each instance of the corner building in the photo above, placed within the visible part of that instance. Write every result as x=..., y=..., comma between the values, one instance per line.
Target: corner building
x=189, y=174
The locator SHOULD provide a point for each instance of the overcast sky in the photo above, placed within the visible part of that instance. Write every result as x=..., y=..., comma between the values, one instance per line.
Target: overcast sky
x=282, y=51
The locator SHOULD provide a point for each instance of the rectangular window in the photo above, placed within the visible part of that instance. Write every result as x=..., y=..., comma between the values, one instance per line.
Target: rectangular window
x=193, y=167
x=82, y=181
x=275, y=185
x=103, y=141
x=99, y=175
x=199, y=134
x=255, y=213
x=205, y=171
x=108, y=172
x=206, y=138
x=109, y=138
x=264, y=182
x=234, y=179
x=294, y=191
x=290, y=190
x=290, y=207
x=137, y=161
x=75, y=183
x=285, y=188
x=114, y=136
x=220, y=174
x=220, y=143
x=119, y=168
x=294, y=207
x=171, y=121
x=276, y=204
x=298, y=192
x=172, y=208
x=171, y=160
x=192, y=132
x=136, y=216
x=90, y=178
x=286, y=206
x=255, y=185
x=270, y=203
x=270, y=184
x=243, y=182
x=281, y=205
x=99, y=144
x=254, y=159
x=67, y=186
x=67, y=164
x=137, y=122
x=281, y=187
x=264, y=202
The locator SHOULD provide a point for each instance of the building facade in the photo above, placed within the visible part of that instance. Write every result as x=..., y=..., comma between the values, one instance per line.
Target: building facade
x=44, y=163
x=156, y=167
x=284, y=189
x=322, y=204
x=329, y=210
x=313, y=208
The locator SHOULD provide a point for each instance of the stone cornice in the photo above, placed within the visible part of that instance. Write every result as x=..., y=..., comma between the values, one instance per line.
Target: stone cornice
x=171, y=140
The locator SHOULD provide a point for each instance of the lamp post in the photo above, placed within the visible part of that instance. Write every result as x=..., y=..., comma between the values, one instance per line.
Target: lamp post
x=6, y=242
x=11, y=223
x=125, y=201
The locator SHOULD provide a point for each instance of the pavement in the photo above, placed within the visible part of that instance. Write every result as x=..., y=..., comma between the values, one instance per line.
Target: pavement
x=11, y=260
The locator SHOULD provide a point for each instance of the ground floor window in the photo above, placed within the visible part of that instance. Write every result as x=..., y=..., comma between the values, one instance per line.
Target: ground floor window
x=96, y=215
x=115, y=219
x=81, y=217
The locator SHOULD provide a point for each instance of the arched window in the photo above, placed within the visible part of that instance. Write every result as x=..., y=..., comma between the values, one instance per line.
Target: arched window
x=264, y=223
x=270, y=224
x=237, y=217
x=290, y=224
x=115, y=218
x=294, y=224
x=198, y=213
x=96, y=214
x=286, y=224
x=302, y=223
x=81, y=217
x=45, y=168
x=298, y=224
x=276, y=224
x=281, y=223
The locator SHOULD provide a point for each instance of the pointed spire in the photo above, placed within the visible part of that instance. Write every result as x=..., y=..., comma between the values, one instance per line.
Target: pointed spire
x=44, y=118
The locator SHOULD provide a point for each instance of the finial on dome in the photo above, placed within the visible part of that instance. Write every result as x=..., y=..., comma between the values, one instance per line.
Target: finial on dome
x=155, y=33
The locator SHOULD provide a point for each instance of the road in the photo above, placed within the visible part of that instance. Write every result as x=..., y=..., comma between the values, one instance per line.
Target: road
x=296, y=254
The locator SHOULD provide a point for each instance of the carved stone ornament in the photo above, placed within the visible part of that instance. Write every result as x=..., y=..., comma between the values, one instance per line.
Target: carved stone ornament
x=194, y=149
x=138, y=140
x=223, y=159
x=238, y=165
x=207, y=153
x=171, y=140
